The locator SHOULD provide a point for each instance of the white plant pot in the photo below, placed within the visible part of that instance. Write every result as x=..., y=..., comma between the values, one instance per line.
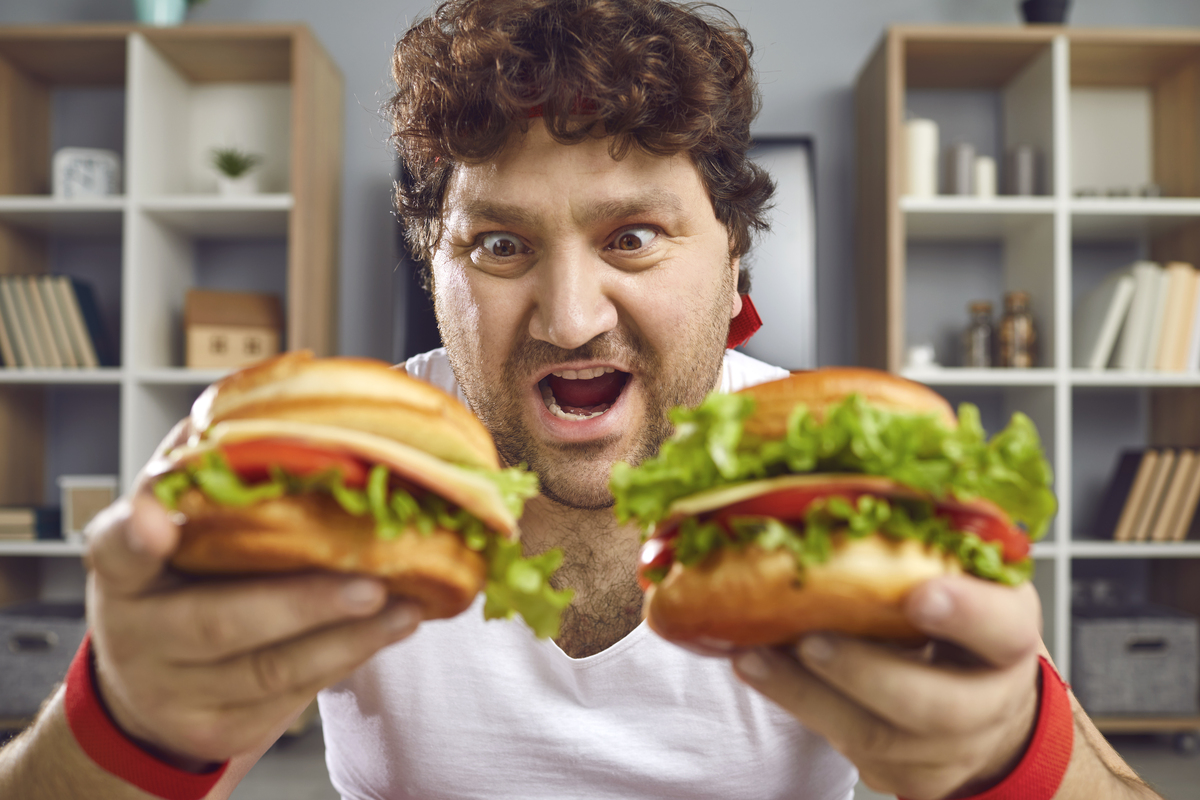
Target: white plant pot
x=238, y=187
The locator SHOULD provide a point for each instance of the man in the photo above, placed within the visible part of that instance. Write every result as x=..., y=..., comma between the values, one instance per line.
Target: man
x=575, y=176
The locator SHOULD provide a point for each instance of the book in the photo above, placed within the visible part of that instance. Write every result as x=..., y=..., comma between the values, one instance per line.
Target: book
x=42, y=321
x=85, y=352
x=1152, y=502
x=1154, y=325
x=58, y=325
x=1193, y=357
x=29, y=328
x=1116, y=492
x=31, y=522
x=1181, y=476
x=1183, y=332
x=1180, y=291
x=7, y=348
x=97, y=334
x=1186, y=517
x=1097, y=320
x=11, y=312
x=1131, y=345
x=1133, y=502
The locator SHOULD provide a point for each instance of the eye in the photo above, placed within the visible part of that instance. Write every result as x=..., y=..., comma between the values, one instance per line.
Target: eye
x=502, y=245
x=634, y=239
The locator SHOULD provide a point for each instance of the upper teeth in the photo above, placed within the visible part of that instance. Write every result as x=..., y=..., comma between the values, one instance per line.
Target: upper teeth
x=583, y=374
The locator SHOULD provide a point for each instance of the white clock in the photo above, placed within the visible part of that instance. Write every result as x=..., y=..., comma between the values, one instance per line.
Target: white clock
x=86, y=172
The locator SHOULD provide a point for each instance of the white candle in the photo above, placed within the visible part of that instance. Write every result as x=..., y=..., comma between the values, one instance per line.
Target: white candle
x=985, y=176
x=921, y=136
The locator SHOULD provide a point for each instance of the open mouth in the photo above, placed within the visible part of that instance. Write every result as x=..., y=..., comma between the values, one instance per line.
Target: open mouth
x=582, y=394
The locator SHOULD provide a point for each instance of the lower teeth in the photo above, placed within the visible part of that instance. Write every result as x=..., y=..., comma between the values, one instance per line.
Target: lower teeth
x=556, y=410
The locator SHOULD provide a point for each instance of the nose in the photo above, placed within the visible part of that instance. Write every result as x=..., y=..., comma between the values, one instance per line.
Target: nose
x=574, y=304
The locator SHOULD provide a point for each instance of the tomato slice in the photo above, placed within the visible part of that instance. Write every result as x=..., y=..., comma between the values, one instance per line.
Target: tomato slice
x=657, y=553
x=989, y=528
x=252, y=460
x=791, y=504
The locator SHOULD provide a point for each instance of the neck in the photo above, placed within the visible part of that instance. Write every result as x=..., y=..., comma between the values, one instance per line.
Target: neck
x=599, y=563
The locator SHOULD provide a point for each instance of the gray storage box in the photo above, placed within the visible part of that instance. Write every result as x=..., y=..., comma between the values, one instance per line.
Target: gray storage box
x=1138, y=661
x=37, y=643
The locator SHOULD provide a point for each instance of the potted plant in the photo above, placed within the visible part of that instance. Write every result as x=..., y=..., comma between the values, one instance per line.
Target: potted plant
x=162, y=13
x=235, y=170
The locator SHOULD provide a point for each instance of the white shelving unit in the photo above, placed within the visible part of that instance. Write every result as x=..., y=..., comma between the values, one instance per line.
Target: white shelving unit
x=172, y=95
x=931, y=256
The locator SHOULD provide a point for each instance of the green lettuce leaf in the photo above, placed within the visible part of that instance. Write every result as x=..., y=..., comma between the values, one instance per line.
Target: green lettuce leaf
x=710, y=449
x=520, y=585
x=826, y=520
x=515, y=584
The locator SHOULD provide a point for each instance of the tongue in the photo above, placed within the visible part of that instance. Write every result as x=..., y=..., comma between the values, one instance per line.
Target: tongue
x=585, y=393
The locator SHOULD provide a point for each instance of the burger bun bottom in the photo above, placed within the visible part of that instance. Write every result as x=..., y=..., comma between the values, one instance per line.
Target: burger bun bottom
x=311, y=532
x=739, y=598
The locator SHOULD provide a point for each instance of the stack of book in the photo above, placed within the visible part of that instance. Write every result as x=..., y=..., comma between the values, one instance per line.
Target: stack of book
x=1152, y=496
x=27, y=523
x=1144, y=317
x=51, y=322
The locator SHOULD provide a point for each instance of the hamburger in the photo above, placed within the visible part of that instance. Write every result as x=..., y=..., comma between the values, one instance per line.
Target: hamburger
x=347, y=464
x=817, y=502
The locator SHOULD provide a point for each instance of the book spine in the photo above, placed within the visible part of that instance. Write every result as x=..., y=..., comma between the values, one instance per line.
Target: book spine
x=28, y=326
x=85, y=352
x=41, y=320
x=1127, y=522
x=7, y=349
x=1154, y=494
x=11, y=310
x=58, y=325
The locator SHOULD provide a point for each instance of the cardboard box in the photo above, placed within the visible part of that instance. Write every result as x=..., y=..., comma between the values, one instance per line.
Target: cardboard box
x=226, y=330
x=83, y=497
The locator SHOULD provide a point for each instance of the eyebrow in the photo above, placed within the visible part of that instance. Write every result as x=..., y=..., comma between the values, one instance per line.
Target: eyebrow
x=655, y=200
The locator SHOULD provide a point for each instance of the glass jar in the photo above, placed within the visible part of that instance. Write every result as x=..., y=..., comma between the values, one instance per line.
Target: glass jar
x=1018, y=336
x=977, y=338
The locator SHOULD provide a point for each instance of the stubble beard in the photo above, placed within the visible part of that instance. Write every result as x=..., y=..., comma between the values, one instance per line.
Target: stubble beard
x=576, y=475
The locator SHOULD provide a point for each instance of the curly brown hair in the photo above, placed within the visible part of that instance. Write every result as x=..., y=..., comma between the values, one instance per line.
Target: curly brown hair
x=661, y=76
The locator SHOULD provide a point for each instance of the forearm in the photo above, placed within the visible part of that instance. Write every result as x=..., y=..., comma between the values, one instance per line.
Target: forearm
x=46, y=763
x=1096, y=771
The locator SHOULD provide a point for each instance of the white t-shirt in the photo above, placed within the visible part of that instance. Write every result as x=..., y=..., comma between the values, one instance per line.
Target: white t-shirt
x=471, y=709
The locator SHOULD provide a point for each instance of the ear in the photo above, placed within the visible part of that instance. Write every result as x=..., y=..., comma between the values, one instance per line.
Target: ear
x=736, y=302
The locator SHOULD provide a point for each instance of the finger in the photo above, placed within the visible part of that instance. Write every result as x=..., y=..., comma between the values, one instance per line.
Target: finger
x=1000, y=624
x=209, y=621
x=128, y=544
x=910, y=694
x=302, y=665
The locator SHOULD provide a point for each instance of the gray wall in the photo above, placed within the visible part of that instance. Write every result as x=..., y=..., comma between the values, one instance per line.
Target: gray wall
x=808, y=54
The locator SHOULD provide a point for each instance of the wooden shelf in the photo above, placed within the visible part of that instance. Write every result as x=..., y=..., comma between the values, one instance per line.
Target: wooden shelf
x=163, y=98
x=44, y=547
x=43, y=214
x=211, y=215
x=1147, y=724
x=65, y=377
x=1033, y=82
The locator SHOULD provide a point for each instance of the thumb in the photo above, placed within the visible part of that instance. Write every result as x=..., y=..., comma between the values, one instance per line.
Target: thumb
x=129, y=542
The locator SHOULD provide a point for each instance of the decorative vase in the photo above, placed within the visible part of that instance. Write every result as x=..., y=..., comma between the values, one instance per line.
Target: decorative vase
x=161, y=13
x=241, y=186
x=1046, y=12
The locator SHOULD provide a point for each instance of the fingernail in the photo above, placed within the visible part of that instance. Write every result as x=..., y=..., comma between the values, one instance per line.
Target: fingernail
x=753, y=666
x=362, y=594
x=935, y=605
x=817, y=649
x=401, y=618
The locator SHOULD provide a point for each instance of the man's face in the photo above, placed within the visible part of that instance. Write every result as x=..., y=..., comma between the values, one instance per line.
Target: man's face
x=580, y=299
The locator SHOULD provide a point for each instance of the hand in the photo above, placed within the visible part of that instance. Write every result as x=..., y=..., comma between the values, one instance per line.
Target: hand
x=202, y=670
x=949, y=720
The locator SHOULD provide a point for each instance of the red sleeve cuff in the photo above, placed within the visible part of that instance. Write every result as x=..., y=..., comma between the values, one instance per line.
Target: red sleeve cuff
x=1041, y=770
x=116, y=753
